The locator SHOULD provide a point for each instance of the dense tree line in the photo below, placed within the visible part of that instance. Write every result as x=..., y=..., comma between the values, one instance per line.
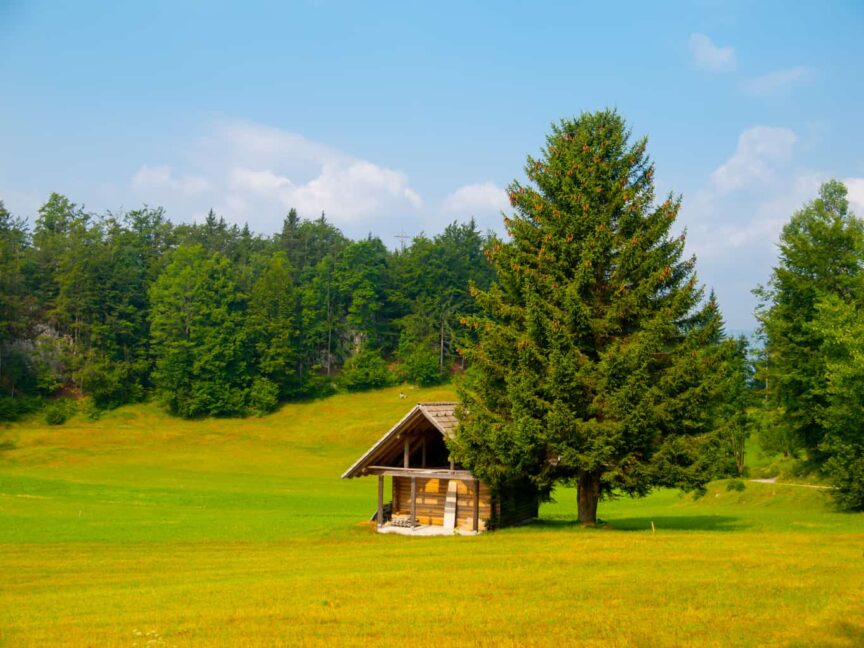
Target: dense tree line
x=212, y=319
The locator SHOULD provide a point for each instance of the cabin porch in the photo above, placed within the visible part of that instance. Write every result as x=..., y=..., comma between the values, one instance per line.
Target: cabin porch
x=432, y=501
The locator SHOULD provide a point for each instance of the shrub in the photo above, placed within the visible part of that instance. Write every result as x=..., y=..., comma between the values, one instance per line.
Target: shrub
x=420, y=366
x=846, y=470
x=264, y=396
x=365, y=370
x=11, y=409
x=58, y=412
x=735, y=485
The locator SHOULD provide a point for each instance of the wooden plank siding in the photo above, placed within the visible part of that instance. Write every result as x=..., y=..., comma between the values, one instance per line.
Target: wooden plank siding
x=431, y=499
x=516, y=506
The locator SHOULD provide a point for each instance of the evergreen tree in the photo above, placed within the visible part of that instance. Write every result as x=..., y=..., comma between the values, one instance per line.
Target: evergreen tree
x=197, y=335
x=595, y=356
x=734, y=388
x=17, y=373
x=273, y=330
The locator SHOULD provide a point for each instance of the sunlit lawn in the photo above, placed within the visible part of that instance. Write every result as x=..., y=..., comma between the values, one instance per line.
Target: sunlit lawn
x=140, y=529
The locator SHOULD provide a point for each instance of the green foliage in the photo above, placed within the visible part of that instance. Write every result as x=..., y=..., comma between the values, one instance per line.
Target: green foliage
x=419, y=365
x=734, y=398
x=596, y=360
x=263, y=396
x=59, y=411
x=272, y=327
x=841, y=327
x=11, y=409
x=811, y=319
x=821, y=254
x=197, y=335
x=366, y=369
x=76, y=311
x=735, y=485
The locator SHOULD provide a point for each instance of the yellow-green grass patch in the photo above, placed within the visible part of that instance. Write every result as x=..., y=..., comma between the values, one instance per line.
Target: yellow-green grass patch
x=141, y=529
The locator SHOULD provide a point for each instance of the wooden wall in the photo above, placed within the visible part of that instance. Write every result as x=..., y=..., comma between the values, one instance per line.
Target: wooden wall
x=432, y=496
x=516, y=505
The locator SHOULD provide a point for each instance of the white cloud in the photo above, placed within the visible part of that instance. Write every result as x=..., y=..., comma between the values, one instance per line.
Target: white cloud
x=855, y=187
x=255, y=173
x=708, y=56
x=777, y=82
x=734, y=221
x=760, y=149
x=473, y=198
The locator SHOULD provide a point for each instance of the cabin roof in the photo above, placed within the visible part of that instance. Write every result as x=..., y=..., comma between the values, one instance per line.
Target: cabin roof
x=442, y=415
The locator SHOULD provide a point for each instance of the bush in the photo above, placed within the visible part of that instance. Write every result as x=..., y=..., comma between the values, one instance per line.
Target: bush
x=845, y=468
x=58, y=412
x=11, y=409
x=420, y=366
x=264, y=396
x=735, y=485
x=365, y=370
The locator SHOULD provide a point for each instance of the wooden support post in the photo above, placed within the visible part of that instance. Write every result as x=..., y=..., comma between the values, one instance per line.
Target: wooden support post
x=406, y=455
x=476, y=505
x=452, y=464
x=380, y=500
x=423, y=454
x=413, y=502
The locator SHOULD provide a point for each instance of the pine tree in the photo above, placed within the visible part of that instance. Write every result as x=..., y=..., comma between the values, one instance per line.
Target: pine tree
x=595, y=351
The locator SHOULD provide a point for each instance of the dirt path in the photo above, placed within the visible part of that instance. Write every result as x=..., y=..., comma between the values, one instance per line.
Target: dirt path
x=773, y=480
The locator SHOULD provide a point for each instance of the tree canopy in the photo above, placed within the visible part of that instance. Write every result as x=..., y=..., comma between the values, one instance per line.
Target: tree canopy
x=810, y=314
x=212, y=319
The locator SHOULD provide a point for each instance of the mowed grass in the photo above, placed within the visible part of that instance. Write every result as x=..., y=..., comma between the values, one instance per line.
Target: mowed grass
x=140, y=529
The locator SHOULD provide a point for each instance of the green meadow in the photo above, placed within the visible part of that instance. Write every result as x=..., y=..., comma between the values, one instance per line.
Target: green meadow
x=144, y=530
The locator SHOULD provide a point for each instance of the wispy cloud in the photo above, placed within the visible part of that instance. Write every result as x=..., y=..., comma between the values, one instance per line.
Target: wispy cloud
x=760, y=149
x=708, y=56
x=256, y=173
x=778, y=82
x=163, y=177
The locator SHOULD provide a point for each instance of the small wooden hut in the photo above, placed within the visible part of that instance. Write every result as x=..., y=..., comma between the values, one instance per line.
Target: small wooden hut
x=429, y=492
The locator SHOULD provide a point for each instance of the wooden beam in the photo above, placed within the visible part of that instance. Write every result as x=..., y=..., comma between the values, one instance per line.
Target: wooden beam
x=413, y=502
x=476, y=504
x=425, y=473
x=406, y=454
x=380, y=500
x=423, y=446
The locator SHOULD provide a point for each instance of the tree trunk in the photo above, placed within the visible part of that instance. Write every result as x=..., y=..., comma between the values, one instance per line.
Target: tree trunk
x=441, y=351
x=587, y=496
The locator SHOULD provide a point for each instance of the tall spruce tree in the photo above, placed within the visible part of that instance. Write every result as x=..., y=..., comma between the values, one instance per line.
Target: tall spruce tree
x=595, y=353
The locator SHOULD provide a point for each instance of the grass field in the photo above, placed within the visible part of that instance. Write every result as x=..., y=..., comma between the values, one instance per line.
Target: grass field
x=143, y=530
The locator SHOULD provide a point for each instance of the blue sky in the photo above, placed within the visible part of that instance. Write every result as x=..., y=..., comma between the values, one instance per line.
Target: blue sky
x=407, y=116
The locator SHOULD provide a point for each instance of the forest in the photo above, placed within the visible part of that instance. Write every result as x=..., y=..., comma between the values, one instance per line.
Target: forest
x=214, y=320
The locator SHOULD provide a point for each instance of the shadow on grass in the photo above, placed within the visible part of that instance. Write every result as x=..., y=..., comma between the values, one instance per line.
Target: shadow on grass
x=846, y=630
x=677, y=523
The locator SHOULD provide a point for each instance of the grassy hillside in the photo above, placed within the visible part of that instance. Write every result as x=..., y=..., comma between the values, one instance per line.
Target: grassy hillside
x=140, y=529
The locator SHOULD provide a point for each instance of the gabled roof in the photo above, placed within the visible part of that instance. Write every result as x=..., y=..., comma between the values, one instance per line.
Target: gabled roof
x=442, y=415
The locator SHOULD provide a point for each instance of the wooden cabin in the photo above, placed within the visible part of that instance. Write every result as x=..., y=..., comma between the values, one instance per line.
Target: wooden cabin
x=429, y=493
